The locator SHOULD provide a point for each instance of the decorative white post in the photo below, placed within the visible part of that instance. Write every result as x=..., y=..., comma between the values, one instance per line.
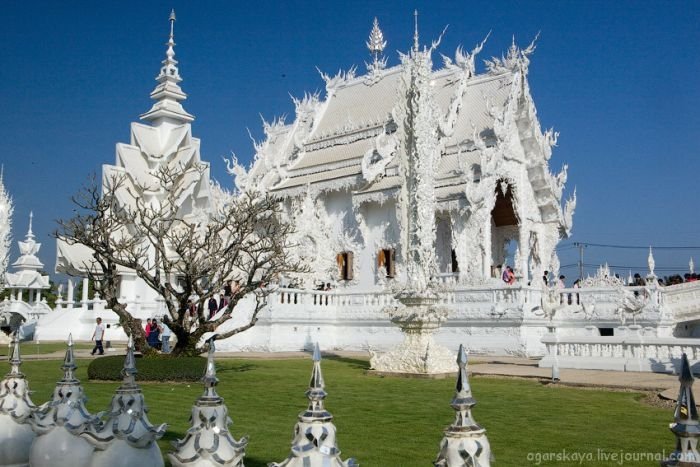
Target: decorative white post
x=126, y=437
x=685, y=426
x=424, y=129
x=16, y=408
x=59, y=422
x=465, y=443
x=84, y=297
x=314, y=443
x=69, y=294
x=208, y=441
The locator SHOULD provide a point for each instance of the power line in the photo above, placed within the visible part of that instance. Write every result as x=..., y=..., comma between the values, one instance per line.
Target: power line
x=630, y=247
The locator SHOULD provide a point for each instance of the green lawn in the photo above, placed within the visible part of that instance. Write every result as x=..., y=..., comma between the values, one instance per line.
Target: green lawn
x=31, y=348
x=396, y=422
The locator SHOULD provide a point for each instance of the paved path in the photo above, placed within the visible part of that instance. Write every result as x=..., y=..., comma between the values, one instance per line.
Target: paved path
x=480, y=366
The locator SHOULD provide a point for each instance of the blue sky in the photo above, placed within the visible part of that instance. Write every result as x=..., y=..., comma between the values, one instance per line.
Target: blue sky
x=618, y=80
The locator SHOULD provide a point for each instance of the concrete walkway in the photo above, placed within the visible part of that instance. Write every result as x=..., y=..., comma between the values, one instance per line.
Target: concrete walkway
x=488, y=366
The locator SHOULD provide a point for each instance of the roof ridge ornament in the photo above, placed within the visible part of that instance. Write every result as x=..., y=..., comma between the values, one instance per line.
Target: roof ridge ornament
x=376, y=45
x=416, y=45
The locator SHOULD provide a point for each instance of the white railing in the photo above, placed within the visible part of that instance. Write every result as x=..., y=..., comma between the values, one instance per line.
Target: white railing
x=629, y=351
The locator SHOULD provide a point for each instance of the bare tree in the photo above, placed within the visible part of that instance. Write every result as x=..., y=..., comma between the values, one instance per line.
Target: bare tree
x=183, y=257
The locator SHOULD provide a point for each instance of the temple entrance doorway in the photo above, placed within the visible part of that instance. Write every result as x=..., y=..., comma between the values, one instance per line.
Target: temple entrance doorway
x=504, y=230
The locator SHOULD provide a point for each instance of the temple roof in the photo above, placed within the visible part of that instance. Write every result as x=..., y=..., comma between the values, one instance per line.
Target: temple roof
x=356, y=112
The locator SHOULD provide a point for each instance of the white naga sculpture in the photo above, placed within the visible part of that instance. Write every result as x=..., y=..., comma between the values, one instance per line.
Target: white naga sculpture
x=208, y=441
x=59, y=422
x=465, y=443
x=126, y=438
x=314, y=443
x=419, y=314
x=686, y=424
x=16, y=408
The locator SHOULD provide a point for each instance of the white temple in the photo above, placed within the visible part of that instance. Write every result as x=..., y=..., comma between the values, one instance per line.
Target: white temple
x=26, y=279
x=164, y=139
x=467, y=148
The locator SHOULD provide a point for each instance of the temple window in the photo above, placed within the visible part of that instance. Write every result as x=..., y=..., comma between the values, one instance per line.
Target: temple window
x=345, y=265
x=455, y=264
x=387, y=258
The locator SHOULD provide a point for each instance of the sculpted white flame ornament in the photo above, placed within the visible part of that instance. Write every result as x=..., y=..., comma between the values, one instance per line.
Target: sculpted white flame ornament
x=465, y=443
x=314, y=443
x=208, y=441
x=16, y=409
x=59, y=422
x=126, y=438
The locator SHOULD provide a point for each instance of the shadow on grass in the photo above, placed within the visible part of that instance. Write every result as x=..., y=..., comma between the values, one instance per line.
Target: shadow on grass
x=356, y=363
x=254, y=462
x=236, y=368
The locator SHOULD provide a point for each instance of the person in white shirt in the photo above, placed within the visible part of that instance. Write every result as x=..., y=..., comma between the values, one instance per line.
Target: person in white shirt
x=97, y=336
x=165, y=335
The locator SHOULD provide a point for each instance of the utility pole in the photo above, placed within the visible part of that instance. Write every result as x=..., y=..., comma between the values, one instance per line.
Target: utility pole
x=580, y=246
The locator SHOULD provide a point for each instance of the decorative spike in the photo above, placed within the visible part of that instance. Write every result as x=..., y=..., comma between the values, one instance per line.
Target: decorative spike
x=210, y=380
x=15, y=356
x=686, y=426
x=129, y=372
x=208, y=441
x=465, y=442
x=126, y=437
x=691, y=264
x=69, y=365
x=30, y=234
x=16, y=409
x=59, y=423
x=416, y=45
x=314, y=440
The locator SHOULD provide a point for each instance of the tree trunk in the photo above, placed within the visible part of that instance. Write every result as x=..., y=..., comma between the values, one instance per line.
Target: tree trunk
x=186, y=345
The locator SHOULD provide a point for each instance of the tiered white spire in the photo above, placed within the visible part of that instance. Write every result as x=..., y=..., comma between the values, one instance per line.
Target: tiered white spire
x=167, y=93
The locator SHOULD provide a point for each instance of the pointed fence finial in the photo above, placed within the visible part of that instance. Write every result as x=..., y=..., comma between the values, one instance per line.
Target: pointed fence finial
x=685, y=426
x=465, y=440
x=415, y=31
x=129, y=371
x=314, y=442
x=15, y=356
x=209, y=379
x=316, y=392
x=69, y=365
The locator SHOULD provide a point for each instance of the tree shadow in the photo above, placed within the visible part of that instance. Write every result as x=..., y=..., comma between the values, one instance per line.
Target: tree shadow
x=254, y=462
x=356, y=363
x=236, y=368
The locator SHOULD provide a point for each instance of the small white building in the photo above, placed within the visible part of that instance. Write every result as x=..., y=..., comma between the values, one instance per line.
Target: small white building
x=27, y=282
